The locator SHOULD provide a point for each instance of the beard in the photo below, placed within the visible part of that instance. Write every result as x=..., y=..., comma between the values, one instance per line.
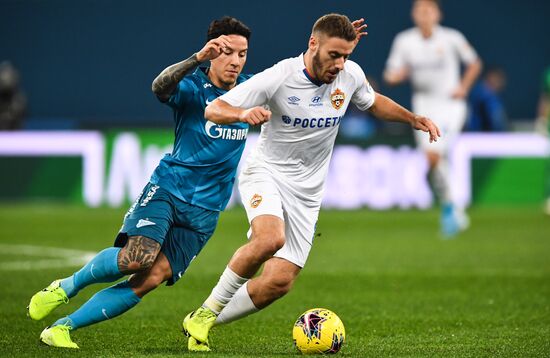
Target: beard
x=317, y=66
x=318, y=69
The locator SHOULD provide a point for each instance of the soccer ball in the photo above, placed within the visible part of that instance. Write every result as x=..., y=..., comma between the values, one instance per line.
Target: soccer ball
x=319, y=331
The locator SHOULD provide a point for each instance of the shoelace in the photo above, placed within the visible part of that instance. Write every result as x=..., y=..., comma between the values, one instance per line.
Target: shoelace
x=205, y=314
x=63, y=298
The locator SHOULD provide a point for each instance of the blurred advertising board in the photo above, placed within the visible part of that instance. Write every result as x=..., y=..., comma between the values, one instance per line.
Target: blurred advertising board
x=110, y=169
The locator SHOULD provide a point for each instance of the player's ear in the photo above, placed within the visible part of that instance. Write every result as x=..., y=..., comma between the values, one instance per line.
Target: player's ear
x=313, y=43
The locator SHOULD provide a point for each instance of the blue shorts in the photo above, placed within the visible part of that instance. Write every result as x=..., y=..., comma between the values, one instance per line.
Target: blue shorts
x=180, y=228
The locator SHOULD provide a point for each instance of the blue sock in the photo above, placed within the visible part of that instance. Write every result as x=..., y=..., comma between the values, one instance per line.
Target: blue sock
x=102, y=268
x=447, y=208
x=105, y=304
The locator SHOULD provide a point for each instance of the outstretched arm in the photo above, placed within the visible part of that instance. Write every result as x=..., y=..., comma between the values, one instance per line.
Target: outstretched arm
x=221, y=112
x=386, y=109
x=167, y=81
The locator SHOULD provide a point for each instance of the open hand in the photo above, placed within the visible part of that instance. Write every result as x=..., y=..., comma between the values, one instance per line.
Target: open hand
x=426, y=125
x=360, y=27
x=213, y=48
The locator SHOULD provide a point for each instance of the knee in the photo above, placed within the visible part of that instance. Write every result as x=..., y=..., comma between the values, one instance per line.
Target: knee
x=433, y=159
x=279, y=285
x=268, y=243
x=138, y=255
x=143, y=284
x=132, y=264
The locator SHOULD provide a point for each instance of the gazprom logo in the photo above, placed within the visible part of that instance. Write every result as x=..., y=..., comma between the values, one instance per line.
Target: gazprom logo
x=216, y=131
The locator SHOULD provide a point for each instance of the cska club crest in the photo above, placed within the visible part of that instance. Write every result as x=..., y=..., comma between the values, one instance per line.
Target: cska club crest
x=337, y=98
x=255, y=201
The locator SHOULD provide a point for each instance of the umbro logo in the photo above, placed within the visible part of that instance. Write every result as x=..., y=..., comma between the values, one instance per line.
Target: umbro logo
x=144, y=222
x=293, y=100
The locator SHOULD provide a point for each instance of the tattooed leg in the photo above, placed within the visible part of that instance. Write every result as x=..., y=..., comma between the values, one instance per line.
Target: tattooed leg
x=139, y=254
x=113, y=263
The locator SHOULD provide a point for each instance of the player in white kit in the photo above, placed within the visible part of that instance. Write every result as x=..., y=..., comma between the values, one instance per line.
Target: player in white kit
x=430, y=56
x=281, y=185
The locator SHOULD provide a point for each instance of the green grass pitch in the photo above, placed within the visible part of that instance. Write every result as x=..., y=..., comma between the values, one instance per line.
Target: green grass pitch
x=399, y=288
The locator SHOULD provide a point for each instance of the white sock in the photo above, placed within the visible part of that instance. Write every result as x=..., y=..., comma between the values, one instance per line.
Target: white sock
x=440, y=176
x=240, y=306
x=224, y=290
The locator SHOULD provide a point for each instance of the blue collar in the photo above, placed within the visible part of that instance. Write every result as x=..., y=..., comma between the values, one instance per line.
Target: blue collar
x=312, y=80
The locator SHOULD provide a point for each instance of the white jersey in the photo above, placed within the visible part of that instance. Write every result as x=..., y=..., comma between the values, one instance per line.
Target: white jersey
x=434, y=62
x=295, y=146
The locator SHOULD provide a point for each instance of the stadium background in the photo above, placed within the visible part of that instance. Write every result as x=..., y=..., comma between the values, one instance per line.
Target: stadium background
x=399, y=288
x=93, y=61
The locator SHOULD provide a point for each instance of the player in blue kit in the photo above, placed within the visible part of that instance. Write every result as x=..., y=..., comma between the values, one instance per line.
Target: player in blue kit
x=178, y=210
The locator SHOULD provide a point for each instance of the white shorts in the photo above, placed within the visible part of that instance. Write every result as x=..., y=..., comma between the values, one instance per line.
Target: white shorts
x=447, y=113
x=262, y=194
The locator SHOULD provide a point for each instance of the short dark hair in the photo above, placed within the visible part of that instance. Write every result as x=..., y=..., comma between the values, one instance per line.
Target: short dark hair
x=227, y=25
x=335, y=25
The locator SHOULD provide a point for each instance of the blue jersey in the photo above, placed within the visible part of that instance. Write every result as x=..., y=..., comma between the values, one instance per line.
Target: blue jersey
x=487, y=111
x=201, y=169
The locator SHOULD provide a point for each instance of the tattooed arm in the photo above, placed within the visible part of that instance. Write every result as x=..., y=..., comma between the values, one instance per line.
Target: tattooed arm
x=167, y=81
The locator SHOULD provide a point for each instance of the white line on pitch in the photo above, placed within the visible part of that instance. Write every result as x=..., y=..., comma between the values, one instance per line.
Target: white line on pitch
x=59, y=257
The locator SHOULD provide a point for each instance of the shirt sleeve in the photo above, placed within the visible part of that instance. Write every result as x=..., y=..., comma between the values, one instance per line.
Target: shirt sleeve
x=183, y=94
x=463, y=48
x=397, y=59
x=258, y=90
x=363, y=97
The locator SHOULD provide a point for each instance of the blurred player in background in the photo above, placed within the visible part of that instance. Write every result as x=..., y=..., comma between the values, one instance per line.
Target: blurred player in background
x=487, y=112
x=430, y=56
x=13, y=102
x=543, y=126
x=178, y=210
x=282, y=182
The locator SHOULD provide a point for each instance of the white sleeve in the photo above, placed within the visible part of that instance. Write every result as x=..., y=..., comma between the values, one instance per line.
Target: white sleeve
x=363, y=97
x=463, y=48
x=397, y=59
x=258, y=90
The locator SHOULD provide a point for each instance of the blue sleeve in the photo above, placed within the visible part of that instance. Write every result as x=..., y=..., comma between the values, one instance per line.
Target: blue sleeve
x=183, y=94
